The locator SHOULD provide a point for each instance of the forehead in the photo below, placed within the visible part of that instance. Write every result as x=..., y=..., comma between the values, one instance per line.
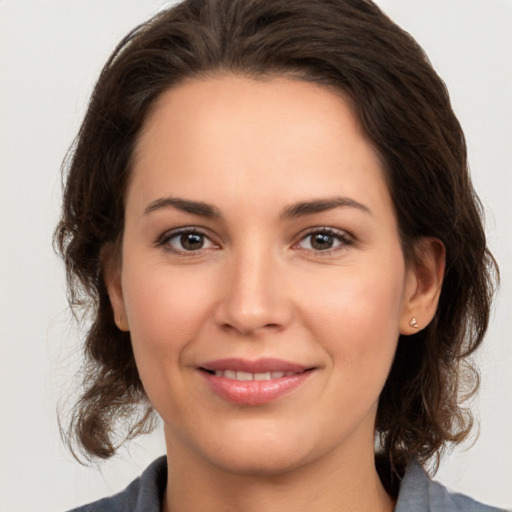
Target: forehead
x=221, y=103
x=238, y=135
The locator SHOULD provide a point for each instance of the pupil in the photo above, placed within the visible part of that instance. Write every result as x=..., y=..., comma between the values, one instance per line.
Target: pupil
x=322, y=241
x=192, y=241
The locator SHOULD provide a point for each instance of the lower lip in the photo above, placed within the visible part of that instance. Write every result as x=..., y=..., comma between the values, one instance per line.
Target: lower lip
x=254, y=392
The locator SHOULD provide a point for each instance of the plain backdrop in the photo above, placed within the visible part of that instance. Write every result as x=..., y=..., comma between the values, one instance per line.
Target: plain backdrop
x=50, y=54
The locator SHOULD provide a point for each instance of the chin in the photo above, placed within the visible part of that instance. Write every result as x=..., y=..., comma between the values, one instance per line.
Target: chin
x=262, y=451
x=261, y=462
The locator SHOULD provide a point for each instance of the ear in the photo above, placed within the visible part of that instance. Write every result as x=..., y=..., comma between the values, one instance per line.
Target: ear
x=424, y=280
x=111, y=266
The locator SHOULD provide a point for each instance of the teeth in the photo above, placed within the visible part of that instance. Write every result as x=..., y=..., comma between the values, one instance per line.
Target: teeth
x=246, y=376
x=230, y=374
x=262, y=376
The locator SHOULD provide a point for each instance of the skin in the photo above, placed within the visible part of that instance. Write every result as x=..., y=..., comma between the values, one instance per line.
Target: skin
x=257, y=287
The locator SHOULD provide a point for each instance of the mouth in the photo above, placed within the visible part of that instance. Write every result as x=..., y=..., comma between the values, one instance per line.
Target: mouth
x=243, y=376
x=254, y=382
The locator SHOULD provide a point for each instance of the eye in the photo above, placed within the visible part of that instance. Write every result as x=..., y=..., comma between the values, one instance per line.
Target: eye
x=186, y=240
x=324, y=239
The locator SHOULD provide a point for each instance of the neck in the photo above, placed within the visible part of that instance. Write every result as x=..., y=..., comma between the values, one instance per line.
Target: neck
x=334, y=484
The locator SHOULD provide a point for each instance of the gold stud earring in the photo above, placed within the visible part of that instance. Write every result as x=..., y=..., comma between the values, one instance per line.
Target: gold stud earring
x=413, y=323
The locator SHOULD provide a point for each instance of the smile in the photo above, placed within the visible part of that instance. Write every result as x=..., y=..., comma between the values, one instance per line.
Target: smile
x=247, y=376
x=253, y=382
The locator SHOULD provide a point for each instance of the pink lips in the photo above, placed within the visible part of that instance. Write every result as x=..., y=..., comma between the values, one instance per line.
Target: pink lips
x=253, y=382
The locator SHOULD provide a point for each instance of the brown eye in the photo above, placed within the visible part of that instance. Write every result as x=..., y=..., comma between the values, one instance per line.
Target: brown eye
x=192, y=241
x=321, y=241
x=186, y=240
x=324, y=240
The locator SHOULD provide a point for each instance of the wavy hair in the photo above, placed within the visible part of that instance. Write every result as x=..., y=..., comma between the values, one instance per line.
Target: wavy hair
x=404, y=108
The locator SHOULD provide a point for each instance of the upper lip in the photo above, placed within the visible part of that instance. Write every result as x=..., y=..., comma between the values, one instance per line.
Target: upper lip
x=262, y=365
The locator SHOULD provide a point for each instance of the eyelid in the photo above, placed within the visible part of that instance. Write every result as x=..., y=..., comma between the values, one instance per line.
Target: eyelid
x=343, y=236
x=162, y=240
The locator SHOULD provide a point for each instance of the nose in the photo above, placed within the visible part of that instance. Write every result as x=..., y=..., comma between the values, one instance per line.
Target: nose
x=254, y=294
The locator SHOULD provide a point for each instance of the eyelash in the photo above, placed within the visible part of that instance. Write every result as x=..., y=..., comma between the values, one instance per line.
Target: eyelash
x=344, y=239
x=164, y=240
x=341, y=236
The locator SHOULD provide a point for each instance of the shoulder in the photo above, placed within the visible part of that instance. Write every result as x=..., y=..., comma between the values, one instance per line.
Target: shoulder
x=419, y=493
x=143, y=495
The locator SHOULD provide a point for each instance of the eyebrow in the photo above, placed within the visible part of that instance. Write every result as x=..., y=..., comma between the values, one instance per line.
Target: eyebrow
x=321, y=205
x=300, y=209
x=186, y=205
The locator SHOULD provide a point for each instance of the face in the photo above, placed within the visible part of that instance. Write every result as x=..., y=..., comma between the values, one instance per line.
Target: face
x=262, y=277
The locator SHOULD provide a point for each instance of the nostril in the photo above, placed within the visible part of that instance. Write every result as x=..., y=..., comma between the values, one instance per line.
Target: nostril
x=248, y=329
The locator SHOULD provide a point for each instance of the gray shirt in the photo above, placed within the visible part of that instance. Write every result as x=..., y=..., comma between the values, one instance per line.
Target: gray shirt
x=418, y=493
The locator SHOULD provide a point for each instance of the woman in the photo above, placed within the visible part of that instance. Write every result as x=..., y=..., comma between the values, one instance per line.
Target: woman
x=268, y=206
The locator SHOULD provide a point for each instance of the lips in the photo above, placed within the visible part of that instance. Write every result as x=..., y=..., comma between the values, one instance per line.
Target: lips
x=253, y=382
x=246, y=376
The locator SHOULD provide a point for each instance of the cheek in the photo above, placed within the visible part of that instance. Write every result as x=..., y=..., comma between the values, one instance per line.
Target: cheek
x=357, y=318
x=165, y=312
x=165, y=308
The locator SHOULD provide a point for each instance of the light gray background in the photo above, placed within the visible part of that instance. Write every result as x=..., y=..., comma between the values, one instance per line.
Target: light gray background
x=50, y=54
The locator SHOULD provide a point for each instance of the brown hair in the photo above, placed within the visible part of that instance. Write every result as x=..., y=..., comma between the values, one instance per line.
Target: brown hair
x=403, y=106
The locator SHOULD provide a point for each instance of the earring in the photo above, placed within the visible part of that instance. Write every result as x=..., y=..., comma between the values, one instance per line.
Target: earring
x=413, y=323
